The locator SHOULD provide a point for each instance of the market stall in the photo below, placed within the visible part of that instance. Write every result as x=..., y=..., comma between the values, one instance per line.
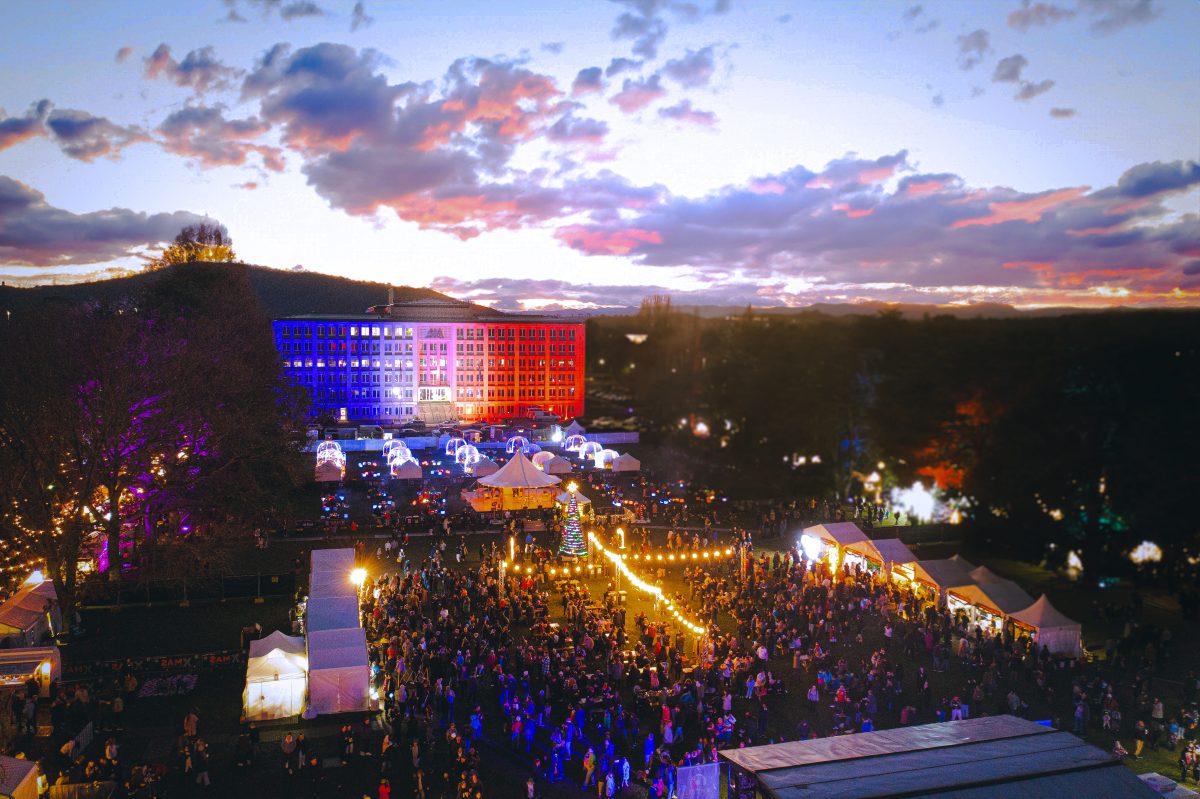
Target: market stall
x=935, y=577
x=897, y=557
x=989, y=604
x=276, y=678
x=19, y=666
x=1049, y=628
x=32, y=614
x=18, y=778
x=331, y=613
x=339, y=676
x=518, y=485
x=627, y=463
x=484, y=467
x=829, y=541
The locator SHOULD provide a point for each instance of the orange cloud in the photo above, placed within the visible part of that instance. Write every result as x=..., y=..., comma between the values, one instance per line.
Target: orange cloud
x=1029, y=210
x=606, y=242
x=853, y=213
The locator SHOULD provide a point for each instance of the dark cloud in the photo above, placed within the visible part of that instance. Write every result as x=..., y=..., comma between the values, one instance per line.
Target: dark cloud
x=35, y=233
x=572, y=129
x=301, y=9
x=1029, y=15
x=920, y=21
x=693, y=69
x=359, y=17
x=842, y=227
x=938, y=100
x=1114, y=15
x=554, y=48
x=1031, y=89
x=200, y=69
x=86, y=137
x=1062, y=113
x=79, y=134
x=644, y=22
x=1192, y=268
x=588, y=80
x=684, y=112
x=1008, y=70
x=637, y=94
x=619, y=65
x=14, y=130
x=204, y=135
x=973, y=48
x=123, y=54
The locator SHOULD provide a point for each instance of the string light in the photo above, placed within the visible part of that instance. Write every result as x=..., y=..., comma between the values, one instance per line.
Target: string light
x=619, y=562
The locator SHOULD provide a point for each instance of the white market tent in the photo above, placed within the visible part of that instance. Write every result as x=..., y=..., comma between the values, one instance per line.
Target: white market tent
x=990, y=603
x=961, y=561
x=31, y=614
x=565, y=499
x=940, y=575
x=485, y=467
x=519, y=472
x=339, y=677
x=574, y=429
x=333, y=560
x=557, y=465
x=276, y=678
x=864, y=554
x=627, y=463
x=895, y=552
x=18, y=778
x=324, y=585
x=407, y=470
x=982, y=574
x=331, y=613
x=837, y=534
x=1050, y=628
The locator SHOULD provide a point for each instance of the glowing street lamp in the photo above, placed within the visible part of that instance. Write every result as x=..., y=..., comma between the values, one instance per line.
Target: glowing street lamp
x=358, y=577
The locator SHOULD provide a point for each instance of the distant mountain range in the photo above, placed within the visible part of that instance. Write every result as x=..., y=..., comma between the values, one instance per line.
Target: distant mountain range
x=289, y=293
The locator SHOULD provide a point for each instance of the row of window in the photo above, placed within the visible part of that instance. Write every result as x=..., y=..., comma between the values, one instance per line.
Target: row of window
x=423, y=364
x=523, y=333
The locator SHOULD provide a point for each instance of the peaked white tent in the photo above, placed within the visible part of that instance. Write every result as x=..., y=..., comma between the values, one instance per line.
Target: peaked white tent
x=963, y=562
x=519, y=472
x=485, y=467
x=626, y=463
x=339, y=676
x=982, y=574
x=331, y=613
x=407, y=470
x=940, y=575
x=895, y=552
x=276, y=677
x=1049, y=627
x=565, y=499
x=557, y=465
x=574, y=429
x=990, y=603
x=605, y=458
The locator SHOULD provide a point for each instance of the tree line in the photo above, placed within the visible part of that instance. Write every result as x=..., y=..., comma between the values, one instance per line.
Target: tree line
x=1074, y=432
x=143, y=433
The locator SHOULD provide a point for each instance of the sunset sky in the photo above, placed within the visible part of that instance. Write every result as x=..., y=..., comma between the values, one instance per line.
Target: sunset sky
x=586, y=154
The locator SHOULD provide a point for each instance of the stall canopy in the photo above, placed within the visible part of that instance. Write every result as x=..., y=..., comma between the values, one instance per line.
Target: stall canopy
x=894, y=552
x=519, y=472
x=31, y=614
x=1053, y=630
x=41, y=663
x=961, y=561
x=332, y=613
x=574, y=429
x=1001, y=597
x=324, y=585
x=276, y=677
x=982, y=574
x=943, y=574
x=627, y=463
x=837, y=534
x=485, y=467
x=333, y=560
x=556, y=465
x=565, y=498
x=407, y=470
x=18, y=778
x=339, y=676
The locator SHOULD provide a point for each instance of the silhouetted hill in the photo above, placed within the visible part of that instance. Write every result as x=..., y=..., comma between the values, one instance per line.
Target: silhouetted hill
x=284, y=293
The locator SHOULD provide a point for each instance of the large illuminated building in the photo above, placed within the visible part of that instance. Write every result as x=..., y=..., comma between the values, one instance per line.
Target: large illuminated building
x=434, y=359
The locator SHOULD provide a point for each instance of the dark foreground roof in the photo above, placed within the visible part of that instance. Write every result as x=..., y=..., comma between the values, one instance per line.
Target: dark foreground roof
x=992, y=757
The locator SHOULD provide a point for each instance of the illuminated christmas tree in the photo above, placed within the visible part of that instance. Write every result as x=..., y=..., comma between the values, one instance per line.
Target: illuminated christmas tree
x=573, y=542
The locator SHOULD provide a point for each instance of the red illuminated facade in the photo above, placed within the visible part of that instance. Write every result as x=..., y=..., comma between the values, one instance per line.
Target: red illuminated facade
x=435, y=359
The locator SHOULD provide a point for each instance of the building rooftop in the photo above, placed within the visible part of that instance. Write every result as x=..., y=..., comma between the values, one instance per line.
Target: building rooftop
x=991, y=757
x=439, y=309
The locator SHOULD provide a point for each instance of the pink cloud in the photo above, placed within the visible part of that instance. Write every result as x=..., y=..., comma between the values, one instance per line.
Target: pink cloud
x=620, y=241
x=637, y=94
x=1029, y=209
